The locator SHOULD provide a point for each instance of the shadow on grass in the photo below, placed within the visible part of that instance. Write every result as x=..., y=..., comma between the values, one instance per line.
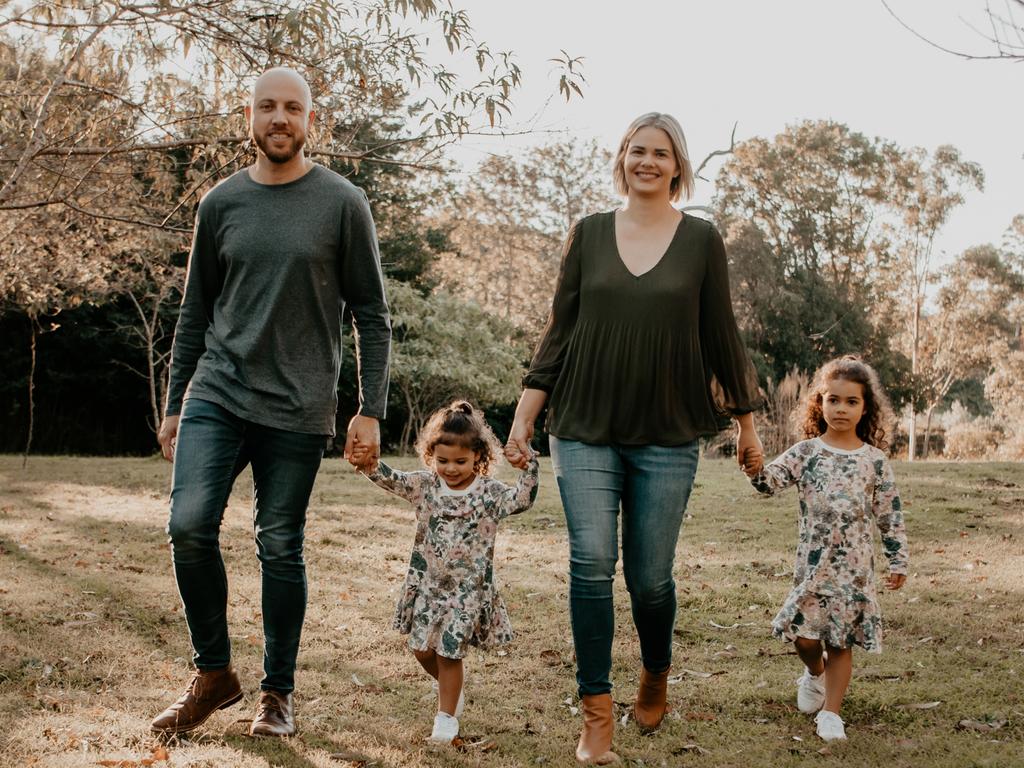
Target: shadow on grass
x=288, y=753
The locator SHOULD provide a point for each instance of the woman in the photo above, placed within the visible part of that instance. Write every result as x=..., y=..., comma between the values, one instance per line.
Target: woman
x=639, y=357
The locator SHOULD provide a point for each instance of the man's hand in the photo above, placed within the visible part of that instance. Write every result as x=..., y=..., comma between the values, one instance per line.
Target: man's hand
x=362, y=443
x=167, y=436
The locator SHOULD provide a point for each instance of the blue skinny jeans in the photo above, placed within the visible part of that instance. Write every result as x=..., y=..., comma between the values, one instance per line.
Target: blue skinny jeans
x=650, y=485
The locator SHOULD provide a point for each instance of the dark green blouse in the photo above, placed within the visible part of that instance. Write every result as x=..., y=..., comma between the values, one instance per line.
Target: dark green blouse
x=641, y=360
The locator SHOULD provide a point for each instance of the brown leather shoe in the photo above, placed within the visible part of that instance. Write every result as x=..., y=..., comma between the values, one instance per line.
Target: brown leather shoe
x=651, y=700
x=595, y=747
x=207, y=692
x=275, y=715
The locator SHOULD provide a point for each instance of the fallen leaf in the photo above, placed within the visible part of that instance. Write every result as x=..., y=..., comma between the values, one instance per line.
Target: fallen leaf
x=920, y=705
x=480, y=743
x=983, y=726
x=357, y=681
x=716, y=625
x=360, y=761
x=691, y=748
x=706, y=717
x=825, y=751
x=702, y=675
x=551, y=658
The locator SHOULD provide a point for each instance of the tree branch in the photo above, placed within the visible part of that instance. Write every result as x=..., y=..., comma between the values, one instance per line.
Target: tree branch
x=717, y=152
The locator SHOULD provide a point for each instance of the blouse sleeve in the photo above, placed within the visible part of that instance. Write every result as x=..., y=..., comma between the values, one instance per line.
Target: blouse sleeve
x=521, y=497
x=408, y=485
x=727, y=364
x=888, y=512
x=547, y=360
x=779, y=474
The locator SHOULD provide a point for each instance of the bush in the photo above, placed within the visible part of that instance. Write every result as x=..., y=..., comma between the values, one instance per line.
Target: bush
x=974, y=440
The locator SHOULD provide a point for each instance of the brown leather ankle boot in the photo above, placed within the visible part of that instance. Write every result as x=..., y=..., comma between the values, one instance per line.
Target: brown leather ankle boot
x=595, y=747
x=651, y=700
x=208, y=691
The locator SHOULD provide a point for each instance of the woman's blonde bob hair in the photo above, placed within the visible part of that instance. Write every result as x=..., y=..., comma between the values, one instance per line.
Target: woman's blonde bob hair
x=683, y=183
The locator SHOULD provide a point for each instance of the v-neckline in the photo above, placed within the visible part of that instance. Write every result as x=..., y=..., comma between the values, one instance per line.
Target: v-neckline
x=654, y=266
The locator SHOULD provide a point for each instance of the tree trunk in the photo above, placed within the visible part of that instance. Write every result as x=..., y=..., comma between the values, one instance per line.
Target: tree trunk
x=927, y=431
x=31, y=389
x=915, y=341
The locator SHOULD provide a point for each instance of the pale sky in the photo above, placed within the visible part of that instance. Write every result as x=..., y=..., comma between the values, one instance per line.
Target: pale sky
x=767, y=65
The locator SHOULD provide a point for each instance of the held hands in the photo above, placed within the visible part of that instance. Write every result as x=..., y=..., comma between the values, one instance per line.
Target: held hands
x=167, y=436
x=749, y=452
x=362, y=443
x=895, y=580
x=517, y=449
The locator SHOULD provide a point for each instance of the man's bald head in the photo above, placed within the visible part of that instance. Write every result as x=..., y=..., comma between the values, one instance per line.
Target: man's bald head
x=278, y=79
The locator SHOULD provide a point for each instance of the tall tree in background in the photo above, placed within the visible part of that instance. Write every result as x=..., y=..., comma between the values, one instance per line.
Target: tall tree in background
x=800, y=213
x=976, y=311
x=511, y=220
x=445, y=348
x=924, y=193
x=164, y=77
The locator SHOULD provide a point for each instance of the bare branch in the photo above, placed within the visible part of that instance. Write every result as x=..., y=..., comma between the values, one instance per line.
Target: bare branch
x=933, y=44
x=717, y=152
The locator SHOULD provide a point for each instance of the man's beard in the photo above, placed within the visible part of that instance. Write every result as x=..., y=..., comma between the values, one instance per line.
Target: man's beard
x=279, y=156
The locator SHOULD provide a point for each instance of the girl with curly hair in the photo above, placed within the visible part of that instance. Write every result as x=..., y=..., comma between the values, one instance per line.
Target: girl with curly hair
x=845, y=484
x=449, y=601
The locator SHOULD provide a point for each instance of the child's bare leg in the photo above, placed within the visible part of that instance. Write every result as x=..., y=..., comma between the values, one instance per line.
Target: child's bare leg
x=809, y=652
x=449, y=684
x=837, y=677
x=427, y=660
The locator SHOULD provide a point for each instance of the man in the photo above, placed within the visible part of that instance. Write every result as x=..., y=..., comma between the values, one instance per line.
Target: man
x=280, y=248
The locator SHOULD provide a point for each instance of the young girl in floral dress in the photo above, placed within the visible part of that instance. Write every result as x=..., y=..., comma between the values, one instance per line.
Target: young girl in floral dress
x=449, y=601
x=845, y=484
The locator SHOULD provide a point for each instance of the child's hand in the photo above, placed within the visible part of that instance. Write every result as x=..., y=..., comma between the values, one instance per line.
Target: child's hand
x=752, y=461
x=895, y=580
x=363, y=458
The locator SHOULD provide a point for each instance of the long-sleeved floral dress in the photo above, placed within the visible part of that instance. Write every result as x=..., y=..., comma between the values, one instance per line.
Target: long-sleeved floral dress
x=449, y=601
x=834, y=597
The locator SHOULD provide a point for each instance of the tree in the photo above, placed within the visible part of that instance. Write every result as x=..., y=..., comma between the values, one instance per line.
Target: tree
x=957, y=339
x=445, y=347
x=801, y=217
x=512, y=219
x=141, y=91
x=924, y=193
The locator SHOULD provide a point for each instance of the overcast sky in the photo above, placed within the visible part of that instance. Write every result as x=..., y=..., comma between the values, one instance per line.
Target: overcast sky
x=767, y=65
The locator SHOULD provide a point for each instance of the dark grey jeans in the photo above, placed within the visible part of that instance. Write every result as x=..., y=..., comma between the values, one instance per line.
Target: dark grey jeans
x=213, y=447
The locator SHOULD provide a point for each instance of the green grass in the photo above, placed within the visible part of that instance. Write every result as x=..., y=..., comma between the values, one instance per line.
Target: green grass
x=93, y=643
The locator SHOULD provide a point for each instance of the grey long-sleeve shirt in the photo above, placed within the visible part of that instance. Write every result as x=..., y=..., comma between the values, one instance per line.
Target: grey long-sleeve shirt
x=271, y=270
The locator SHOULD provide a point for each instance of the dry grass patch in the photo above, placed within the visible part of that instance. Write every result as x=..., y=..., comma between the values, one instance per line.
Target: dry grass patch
x=93, y=643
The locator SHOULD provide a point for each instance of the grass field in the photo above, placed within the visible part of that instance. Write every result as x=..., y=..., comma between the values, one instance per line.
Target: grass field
x=93, y=642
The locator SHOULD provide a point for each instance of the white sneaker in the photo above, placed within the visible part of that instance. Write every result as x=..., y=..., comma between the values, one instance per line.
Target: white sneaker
x=460, y=704
x=810, y=692
x=830, y=725
x=446, y=728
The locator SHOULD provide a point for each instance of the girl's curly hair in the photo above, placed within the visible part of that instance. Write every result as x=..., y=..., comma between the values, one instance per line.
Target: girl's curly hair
x=877, y=410
x=462, y=425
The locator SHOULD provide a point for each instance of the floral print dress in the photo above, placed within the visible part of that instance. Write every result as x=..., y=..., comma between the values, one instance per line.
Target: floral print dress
x=842, y=493
x=449, y=601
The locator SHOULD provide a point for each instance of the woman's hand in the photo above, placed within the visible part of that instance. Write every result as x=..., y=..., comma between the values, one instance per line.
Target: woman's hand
x=749, y=451
x=517, y=449
x=895, y=580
